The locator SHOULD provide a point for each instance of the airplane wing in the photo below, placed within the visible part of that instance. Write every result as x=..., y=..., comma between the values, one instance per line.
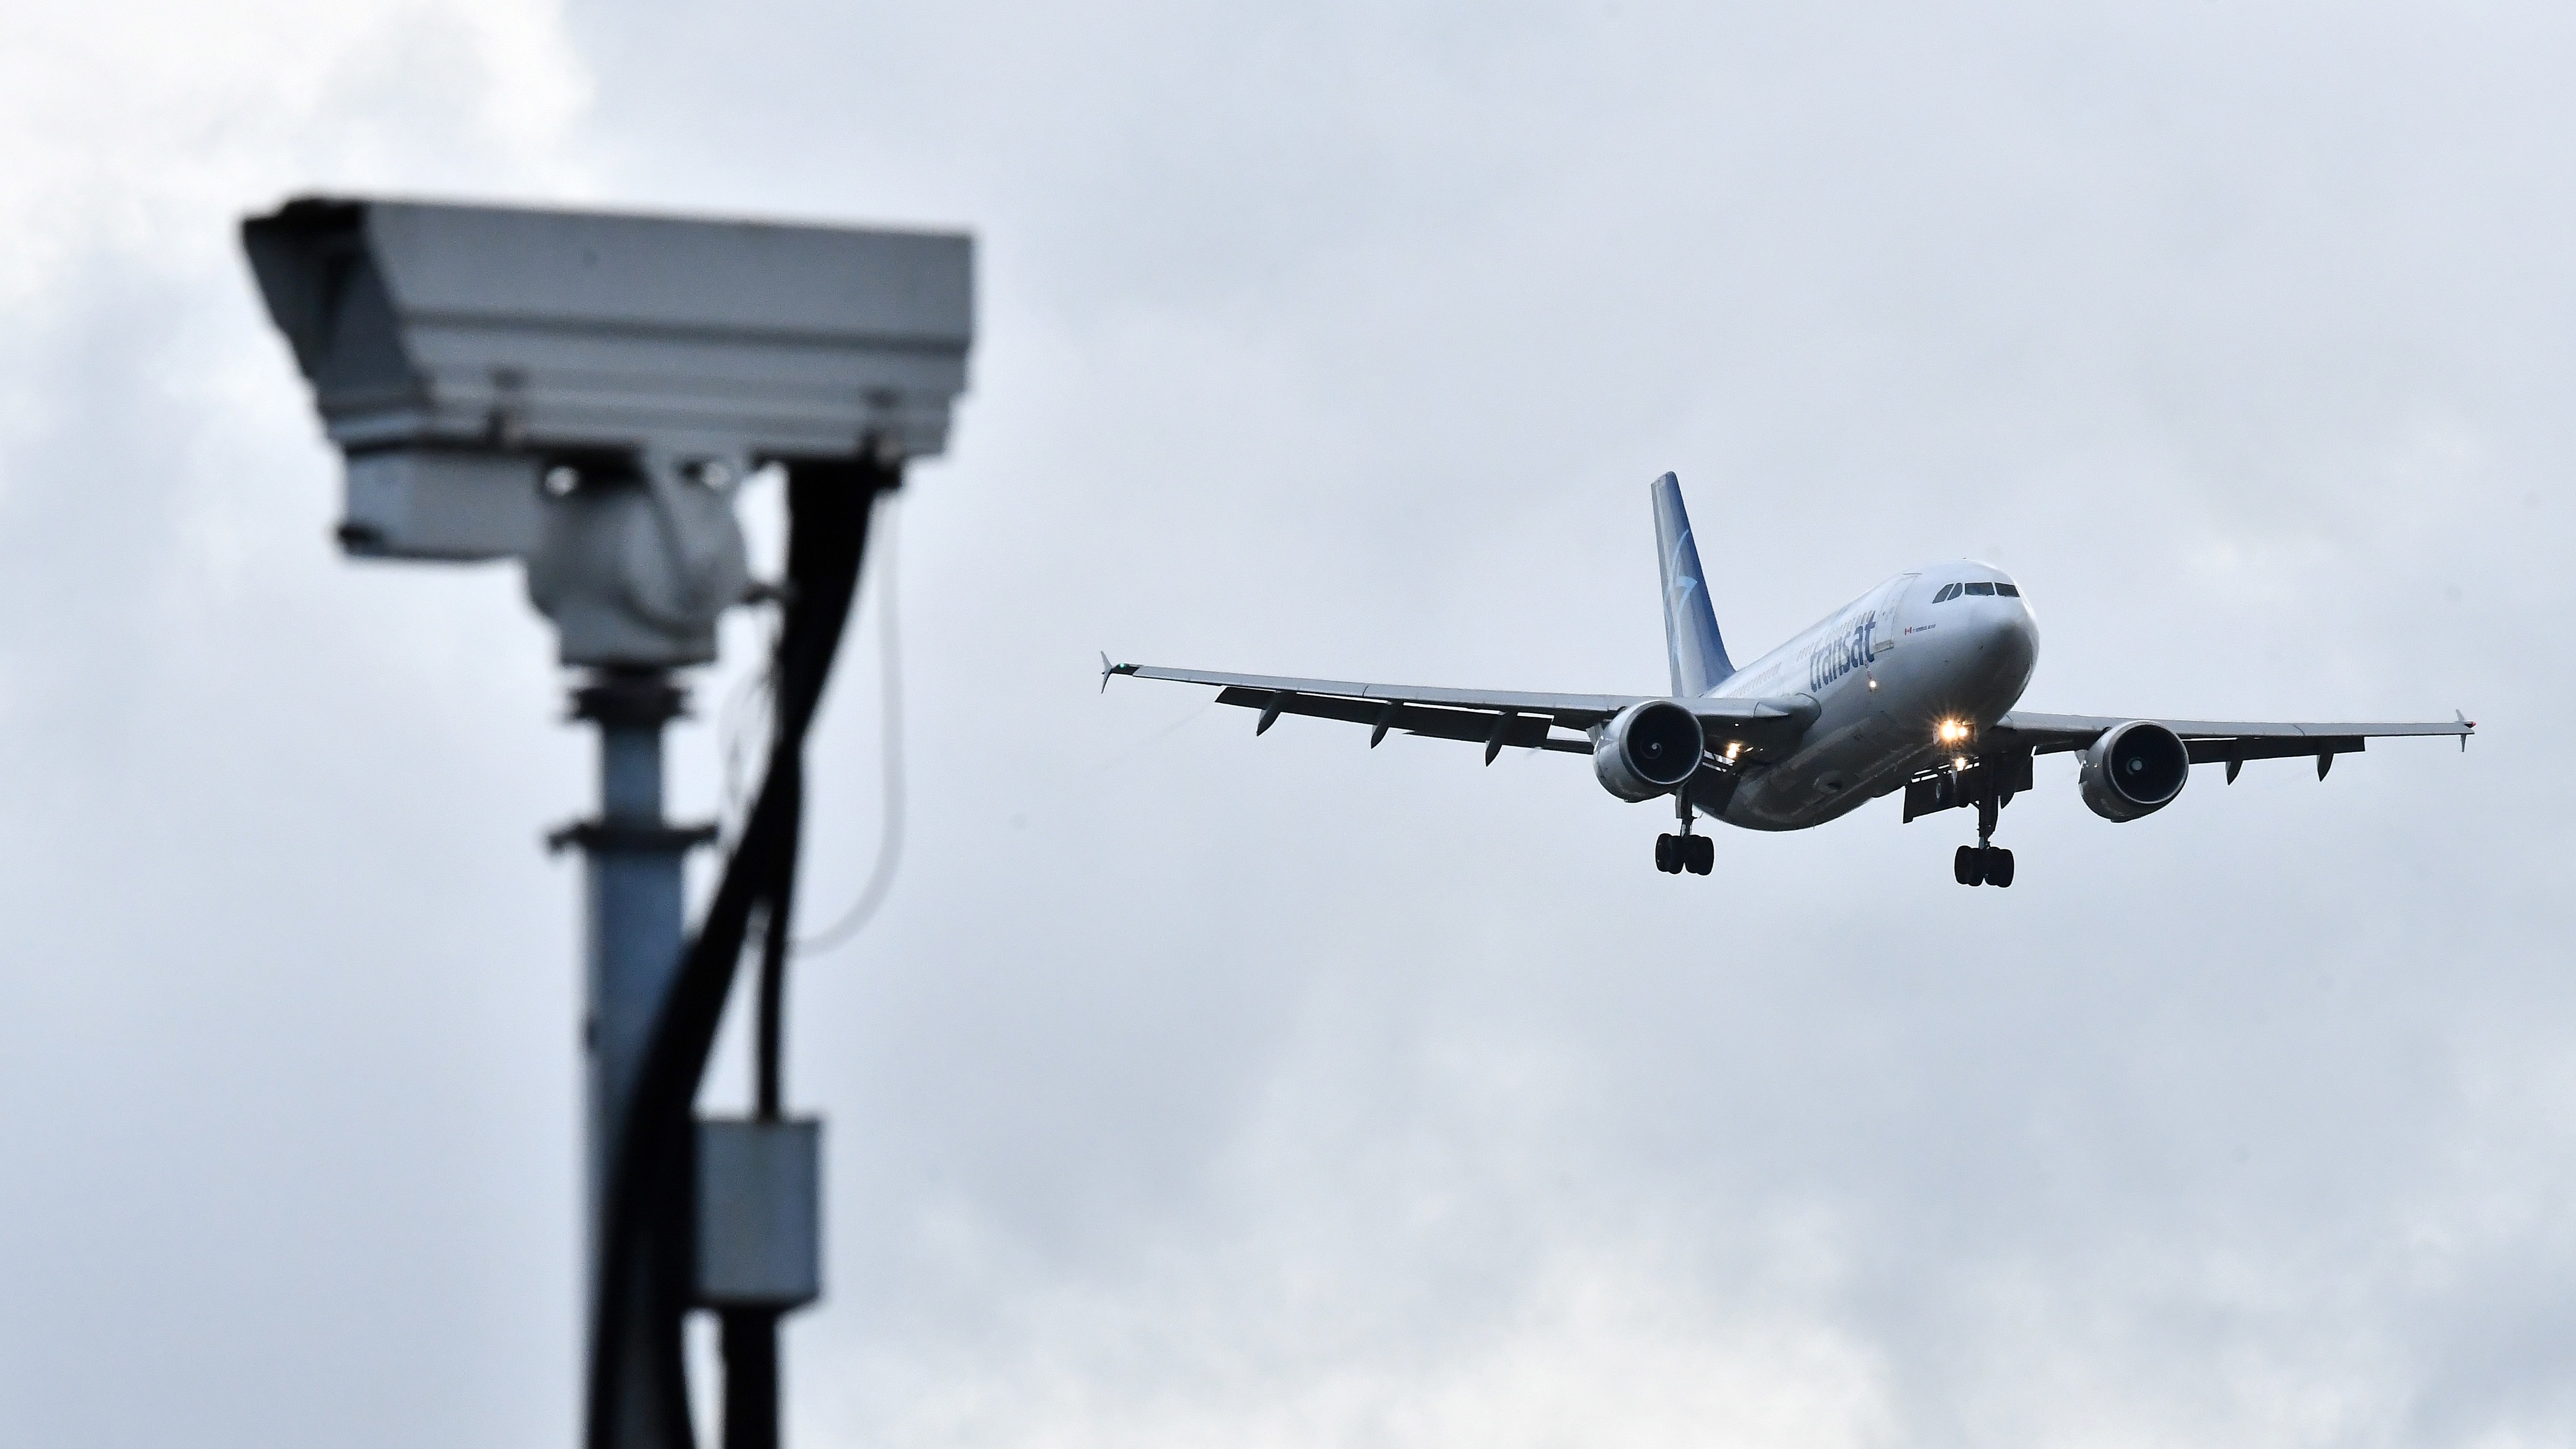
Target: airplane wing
x=1493, y=718
x=2212, y=741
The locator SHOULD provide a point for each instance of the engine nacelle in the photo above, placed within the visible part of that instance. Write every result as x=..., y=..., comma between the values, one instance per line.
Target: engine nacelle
x=1647, y=749
x=2134, y=769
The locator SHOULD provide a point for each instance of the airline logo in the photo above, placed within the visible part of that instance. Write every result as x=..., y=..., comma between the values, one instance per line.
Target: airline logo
x=1684, y=568
x=1841, y=655
x=1689, y=635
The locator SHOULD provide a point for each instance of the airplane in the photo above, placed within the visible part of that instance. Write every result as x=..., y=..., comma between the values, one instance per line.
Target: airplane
x=1911, y=687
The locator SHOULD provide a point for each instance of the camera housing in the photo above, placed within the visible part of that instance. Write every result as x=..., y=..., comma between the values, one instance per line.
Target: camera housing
x=584, y=390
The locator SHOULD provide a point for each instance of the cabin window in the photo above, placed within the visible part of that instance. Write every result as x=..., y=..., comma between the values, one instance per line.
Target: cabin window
x=2009, y=591
x=1948, y=592
x=1981, y=588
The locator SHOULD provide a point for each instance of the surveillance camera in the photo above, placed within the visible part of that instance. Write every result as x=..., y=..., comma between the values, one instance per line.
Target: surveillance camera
x=583, y=390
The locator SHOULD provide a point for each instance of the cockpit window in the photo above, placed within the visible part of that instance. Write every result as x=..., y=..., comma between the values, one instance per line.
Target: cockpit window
x=1981, y=588
x=1948, y=592
x=2009, y=591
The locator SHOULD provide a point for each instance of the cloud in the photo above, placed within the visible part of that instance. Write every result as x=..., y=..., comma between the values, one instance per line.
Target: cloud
x=1194, y=1086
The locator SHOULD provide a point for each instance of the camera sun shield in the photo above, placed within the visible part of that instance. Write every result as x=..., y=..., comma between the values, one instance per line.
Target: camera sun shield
x=503, y=329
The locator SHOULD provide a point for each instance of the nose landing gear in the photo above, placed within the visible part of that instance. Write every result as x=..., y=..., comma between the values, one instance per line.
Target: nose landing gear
x=1989, y=783
x=1677, y=853
x=1984, y=863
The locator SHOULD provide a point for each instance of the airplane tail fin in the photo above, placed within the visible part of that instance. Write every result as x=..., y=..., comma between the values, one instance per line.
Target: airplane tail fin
x=1690, y=624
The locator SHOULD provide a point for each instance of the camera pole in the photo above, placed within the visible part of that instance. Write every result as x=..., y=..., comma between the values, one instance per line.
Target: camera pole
x=584, y=392
x=634, y=863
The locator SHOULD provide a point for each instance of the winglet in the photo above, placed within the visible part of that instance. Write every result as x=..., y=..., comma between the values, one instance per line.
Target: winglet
x=2468, y=727
x=1107, y=669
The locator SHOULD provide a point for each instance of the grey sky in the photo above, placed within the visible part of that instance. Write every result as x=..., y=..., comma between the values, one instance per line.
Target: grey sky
x=1194, y=1088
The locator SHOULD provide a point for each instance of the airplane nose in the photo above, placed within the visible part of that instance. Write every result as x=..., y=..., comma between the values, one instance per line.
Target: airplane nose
x=2006, y=635
x=2016, y=636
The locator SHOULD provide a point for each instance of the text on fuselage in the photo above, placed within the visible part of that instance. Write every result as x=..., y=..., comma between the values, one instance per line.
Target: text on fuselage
x=1842, y=654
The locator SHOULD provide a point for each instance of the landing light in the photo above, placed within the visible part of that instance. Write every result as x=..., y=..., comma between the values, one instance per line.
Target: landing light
x=1959, y=762
x=1950, y=731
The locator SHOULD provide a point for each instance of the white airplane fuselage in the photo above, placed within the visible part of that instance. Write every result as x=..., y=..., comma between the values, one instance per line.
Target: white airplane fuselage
x=1887, y=671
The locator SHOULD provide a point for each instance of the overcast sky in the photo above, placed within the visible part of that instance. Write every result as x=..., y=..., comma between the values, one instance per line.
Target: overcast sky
x=1194, y=1088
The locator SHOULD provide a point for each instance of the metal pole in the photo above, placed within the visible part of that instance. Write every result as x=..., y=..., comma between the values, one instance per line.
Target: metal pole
x=634, y=870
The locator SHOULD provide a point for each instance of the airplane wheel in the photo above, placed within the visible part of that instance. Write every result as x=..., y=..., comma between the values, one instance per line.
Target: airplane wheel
x=1699, y=853
x=1999, y=867
x=1668, y=854
x=1967, y=867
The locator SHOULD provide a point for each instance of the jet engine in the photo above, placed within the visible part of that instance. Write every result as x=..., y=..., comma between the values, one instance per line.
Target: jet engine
x=2134, y=769
x=1647, y=749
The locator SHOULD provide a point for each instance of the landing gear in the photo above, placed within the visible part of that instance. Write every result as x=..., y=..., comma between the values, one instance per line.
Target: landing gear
x=1984, y=863
x=1685, y=852
x=1677, y=853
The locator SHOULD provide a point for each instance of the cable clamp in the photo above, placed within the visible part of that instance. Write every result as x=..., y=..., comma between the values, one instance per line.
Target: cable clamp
x=612, y=837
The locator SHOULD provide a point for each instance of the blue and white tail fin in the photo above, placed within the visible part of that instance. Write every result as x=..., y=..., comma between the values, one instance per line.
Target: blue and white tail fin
x=1690, y=624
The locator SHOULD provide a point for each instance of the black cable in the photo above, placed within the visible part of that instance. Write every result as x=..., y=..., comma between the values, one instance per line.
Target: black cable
x=880, y=879
x=770, y=1048
x=750, y=1344
x=643, y=1280
x=735, y=731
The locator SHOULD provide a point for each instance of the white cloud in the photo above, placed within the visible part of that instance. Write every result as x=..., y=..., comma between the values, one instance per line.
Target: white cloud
x=1194, y=1087
x=124, y=125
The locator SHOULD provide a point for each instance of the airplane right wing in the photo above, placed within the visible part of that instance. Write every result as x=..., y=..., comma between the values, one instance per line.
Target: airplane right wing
x=1490, y=717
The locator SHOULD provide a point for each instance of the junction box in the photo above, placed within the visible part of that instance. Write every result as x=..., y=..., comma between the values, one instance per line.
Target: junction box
x=759, y=1237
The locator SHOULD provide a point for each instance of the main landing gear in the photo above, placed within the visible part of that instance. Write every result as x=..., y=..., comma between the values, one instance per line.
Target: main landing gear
x=1677, y=853
x=1685, y=852
x=1984, y=863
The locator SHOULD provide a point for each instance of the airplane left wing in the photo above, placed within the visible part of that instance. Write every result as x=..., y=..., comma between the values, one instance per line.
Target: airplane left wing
x=2231, y=742
x=1491, y=717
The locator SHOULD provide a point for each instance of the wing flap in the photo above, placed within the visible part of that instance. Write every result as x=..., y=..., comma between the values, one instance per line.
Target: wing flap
x=1475, y=726
x=1754, y=728
x=2242, y=748
x=1574, y=711
x=2251, y=739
